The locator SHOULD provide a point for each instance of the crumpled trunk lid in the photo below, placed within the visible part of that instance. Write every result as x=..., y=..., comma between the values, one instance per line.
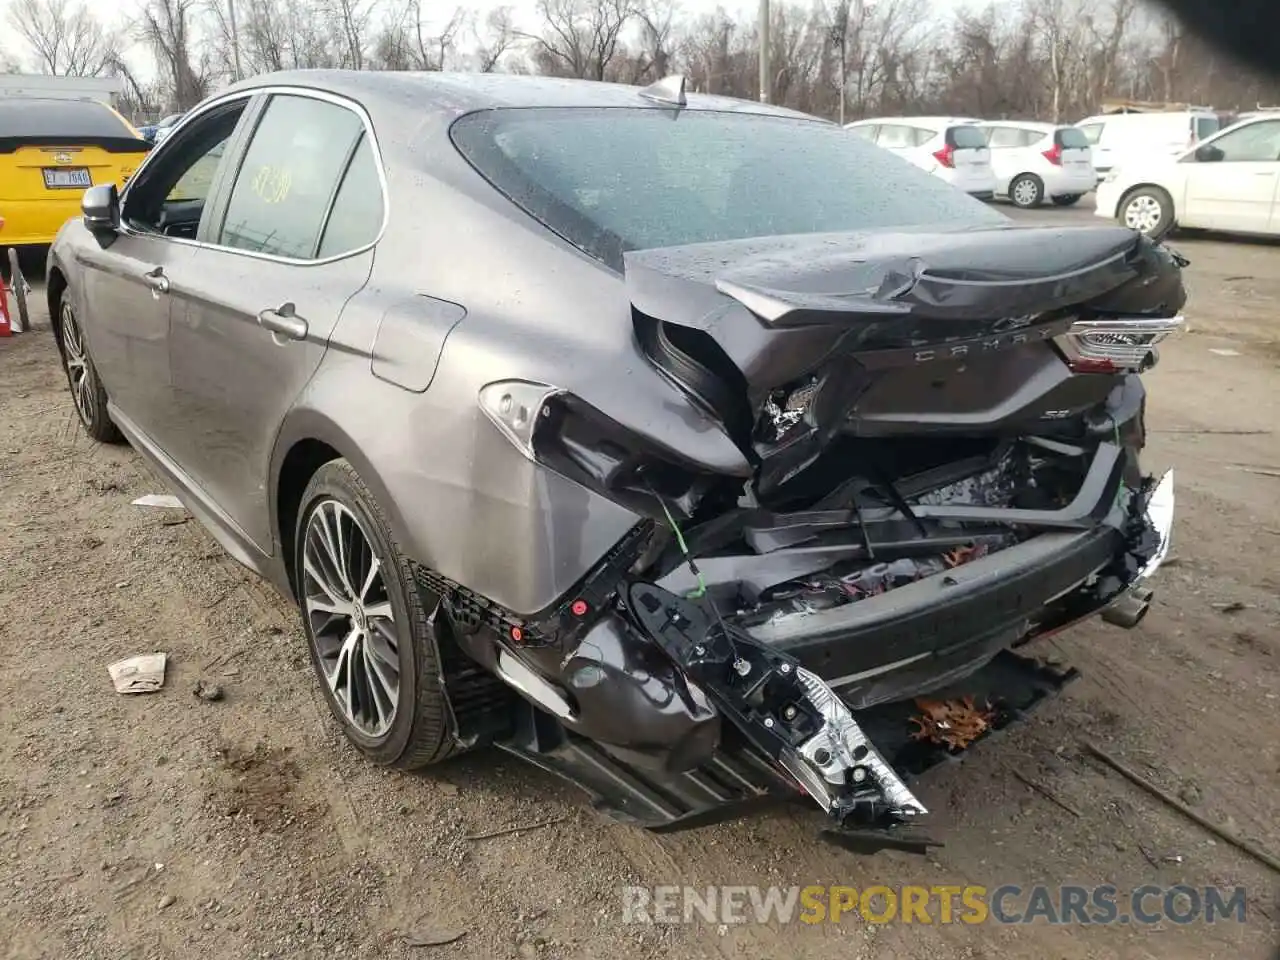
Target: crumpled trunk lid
x=791, y=342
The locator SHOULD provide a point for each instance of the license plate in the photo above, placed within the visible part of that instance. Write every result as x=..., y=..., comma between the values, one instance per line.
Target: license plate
x=66, y=178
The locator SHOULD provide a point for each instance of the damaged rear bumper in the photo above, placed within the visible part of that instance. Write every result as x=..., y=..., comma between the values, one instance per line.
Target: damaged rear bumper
x=780, y=711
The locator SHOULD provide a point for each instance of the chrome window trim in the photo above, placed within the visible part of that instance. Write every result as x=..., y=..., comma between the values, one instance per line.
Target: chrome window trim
x=287, y=90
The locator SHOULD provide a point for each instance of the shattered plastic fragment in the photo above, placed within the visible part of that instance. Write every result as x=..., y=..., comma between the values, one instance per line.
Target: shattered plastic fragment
x=140, y=674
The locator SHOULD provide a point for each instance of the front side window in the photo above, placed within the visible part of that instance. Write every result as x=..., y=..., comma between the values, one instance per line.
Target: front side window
x=618, y=179
x=289, y=175
x=169, y=194
x=1256, y=143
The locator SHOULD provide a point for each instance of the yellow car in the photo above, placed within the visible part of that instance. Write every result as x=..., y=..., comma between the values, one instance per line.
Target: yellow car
x=50, y=151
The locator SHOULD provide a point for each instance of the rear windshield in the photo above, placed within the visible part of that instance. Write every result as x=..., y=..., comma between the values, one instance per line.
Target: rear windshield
x=35, y=118
x=1070, y=138
x=616, y=179
x=966, y=137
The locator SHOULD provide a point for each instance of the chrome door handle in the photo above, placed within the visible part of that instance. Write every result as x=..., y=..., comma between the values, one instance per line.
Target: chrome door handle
x=156, y=280
x=284, y=321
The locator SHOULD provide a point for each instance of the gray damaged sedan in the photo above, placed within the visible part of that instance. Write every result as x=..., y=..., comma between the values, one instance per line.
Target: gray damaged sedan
x=694, y=449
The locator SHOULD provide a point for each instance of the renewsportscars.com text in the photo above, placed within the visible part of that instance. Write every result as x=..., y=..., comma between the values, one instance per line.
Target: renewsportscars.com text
x=939, y=904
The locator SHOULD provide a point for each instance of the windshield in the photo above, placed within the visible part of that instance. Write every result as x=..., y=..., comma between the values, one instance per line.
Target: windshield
x=967, y=137
x=1069, y=138
x=617, y=179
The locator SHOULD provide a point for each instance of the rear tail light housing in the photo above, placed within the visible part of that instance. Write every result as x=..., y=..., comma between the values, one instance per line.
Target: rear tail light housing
x=946, y=156
x=1054, y=155
x=1116, y=344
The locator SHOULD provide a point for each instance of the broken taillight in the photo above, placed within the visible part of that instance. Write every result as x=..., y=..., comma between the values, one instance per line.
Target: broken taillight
x=1116, y=344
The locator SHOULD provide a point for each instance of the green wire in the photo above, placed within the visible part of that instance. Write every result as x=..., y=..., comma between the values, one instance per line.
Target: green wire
x=675, y=528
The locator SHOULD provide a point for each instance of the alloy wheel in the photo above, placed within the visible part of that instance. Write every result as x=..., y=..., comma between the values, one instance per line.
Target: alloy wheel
x=1143, y=213
x=79, y=370
x=351, y=620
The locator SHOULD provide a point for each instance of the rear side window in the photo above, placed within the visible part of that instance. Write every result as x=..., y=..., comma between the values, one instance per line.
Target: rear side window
x=289, y=176
x=357, y=211
x=612, y=180
x=35, y=120
x=1070, y=138
x=966, y=137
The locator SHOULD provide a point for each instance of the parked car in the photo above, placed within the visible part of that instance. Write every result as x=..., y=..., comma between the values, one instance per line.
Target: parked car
x=675, y=457
x=50, y=151
x=154, y=132
x=1229, y=182
x=951, y=148
x=1120, y=138
x=1038, y=161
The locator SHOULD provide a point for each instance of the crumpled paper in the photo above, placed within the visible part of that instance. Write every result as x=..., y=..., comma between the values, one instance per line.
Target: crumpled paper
x=140, y=674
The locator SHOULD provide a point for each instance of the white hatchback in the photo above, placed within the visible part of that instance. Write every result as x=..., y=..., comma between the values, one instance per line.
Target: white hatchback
x=951, y=148
x=1034, y=162
x=1229, y=182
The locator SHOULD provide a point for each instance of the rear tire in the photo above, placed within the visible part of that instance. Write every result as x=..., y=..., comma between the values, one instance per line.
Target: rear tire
x=1149, y=210
x=87, y=392
x=18, y=284
x=1026, y=191
x=1067, y=200
x=369, y=626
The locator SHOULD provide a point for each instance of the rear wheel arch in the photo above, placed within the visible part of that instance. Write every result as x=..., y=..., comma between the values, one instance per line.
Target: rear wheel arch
x=305, y=445
x=297, y=467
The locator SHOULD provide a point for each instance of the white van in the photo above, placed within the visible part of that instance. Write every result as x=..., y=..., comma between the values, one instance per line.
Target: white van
x=1117, y=137
x=1034, y=162
x=951, y=148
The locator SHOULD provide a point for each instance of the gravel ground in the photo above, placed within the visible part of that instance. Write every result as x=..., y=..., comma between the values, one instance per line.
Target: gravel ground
x=169, y=826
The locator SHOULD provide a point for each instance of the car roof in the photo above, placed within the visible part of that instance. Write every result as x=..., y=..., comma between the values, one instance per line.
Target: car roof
x=457, y=93
x=1035, y=125
x=933, y=121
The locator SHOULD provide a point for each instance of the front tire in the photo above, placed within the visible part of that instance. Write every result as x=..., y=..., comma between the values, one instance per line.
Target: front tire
x=1026, y=191
x=1149, y=210
x=87, y=392
x=1067, y=200
x=369, y=627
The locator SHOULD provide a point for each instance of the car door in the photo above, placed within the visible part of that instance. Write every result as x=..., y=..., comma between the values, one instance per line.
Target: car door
x=1231, y=179
x=130, y=286
x=290, y=245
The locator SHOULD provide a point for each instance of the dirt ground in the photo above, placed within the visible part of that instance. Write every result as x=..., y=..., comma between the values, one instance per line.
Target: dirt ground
x=167, y=826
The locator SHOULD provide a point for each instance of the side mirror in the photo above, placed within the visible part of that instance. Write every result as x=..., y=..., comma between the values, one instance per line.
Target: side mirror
x=1209, y=153
x=100, y=208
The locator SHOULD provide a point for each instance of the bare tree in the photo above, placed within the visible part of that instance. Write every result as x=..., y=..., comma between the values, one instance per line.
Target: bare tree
x=168, y=26
x=494, y=39
x=64, y=37
x=579, y=38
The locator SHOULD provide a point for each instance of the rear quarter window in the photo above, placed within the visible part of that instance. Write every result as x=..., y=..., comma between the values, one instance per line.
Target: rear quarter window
x=966, y=137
